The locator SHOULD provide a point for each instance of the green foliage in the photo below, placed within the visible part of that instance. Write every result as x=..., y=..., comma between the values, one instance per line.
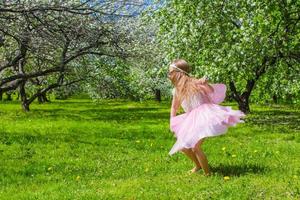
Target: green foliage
x=45, y=45
x=114, y=78
x=137, y=77
x=66, y=92
x=109, y=78
x=236, y=41
x=78, y=149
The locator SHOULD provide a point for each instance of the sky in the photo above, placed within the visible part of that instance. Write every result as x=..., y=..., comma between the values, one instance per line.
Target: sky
x=133, y=9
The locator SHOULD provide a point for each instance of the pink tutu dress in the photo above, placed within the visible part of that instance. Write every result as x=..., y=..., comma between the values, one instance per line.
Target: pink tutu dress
x=203, y=117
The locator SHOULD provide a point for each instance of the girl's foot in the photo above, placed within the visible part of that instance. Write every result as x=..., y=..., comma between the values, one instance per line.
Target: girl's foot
x=195, y=169
x=208, y=174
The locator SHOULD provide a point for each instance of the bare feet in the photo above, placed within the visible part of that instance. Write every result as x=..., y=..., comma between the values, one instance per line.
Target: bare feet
x=208, y=174
x=195, y=169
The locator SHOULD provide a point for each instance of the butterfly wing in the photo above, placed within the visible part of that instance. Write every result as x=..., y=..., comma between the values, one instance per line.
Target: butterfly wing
x=219, y=93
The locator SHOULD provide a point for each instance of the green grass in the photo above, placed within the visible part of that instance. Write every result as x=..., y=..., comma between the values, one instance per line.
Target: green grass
x=117, y=149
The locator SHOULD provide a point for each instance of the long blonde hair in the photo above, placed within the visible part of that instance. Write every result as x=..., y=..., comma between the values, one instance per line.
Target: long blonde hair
x=185, y=86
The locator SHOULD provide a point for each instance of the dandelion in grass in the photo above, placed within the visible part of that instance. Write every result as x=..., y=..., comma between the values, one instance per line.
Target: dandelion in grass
x=295, y=176
x=226, y=178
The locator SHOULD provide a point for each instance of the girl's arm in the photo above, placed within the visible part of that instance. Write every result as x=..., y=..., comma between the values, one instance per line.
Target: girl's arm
x=175, y=106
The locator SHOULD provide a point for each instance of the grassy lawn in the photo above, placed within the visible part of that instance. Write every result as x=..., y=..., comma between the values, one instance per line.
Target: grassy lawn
x=78, y=149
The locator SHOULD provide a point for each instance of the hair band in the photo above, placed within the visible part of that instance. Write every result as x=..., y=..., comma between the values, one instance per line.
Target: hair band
x=178, y=69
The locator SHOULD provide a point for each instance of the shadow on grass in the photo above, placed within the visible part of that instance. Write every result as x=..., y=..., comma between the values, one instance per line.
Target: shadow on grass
x=238, y=170
x=104, y=114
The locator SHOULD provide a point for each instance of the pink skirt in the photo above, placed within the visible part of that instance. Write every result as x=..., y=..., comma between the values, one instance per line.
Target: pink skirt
x=206, y=120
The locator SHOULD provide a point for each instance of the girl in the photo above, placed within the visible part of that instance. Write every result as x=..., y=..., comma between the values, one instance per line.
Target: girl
x=203, y=116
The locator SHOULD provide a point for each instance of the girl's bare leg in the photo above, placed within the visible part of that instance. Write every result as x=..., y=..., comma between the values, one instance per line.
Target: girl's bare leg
x=192, y=156
x=201, y=157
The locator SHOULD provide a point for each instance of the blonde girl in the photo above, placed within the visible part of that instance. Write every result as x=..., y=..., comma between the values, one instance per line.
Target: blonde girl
x=203, y=116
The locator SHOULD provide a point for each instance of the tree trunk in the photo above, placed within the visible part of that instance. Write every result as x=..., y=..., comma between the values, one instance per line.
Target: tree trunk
x=243, y=100
x=244, y=105
x=18, y=96
x=157, y=95
x=25, y=104
x=8, y=96
x=45, y=98
x=42, y=98
x=1, y=95
x=275, y=99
